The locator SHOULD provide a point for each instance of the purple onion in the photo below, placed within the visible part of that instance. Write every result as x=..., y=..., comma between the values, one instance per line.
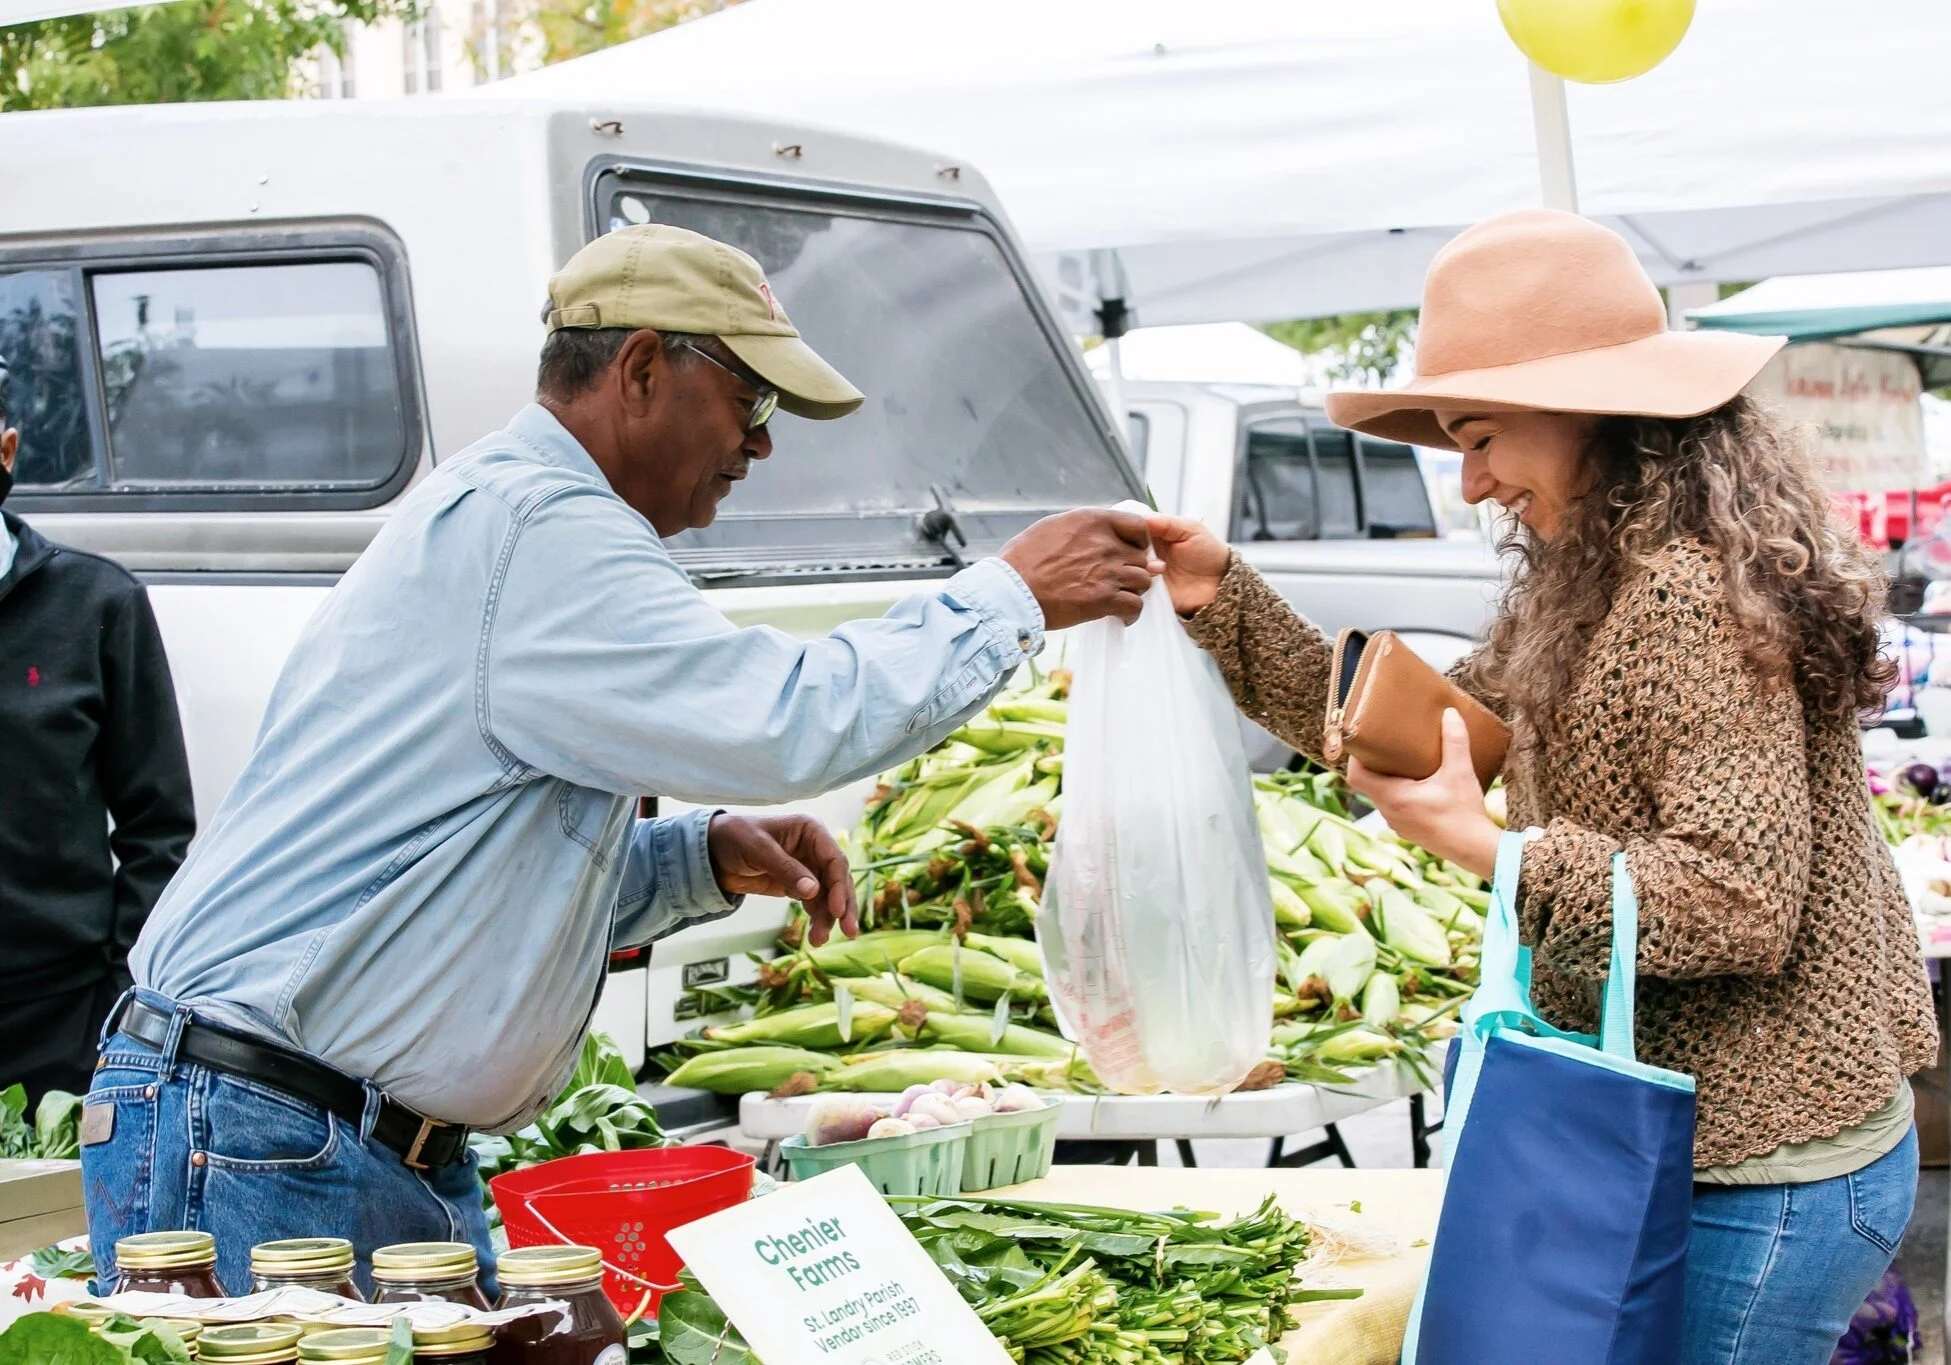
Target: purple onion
x=1921, y=778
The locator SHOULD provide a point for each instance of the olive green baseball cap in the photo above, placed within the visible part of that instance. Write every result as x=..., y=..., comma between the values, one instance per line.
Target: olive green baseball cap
x=673, y=280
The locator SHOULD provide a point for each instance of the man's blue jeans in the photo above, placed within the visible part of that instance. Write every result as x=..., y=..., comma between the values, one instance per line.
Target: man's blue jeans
x=1774, y=1272
x=195, y=1148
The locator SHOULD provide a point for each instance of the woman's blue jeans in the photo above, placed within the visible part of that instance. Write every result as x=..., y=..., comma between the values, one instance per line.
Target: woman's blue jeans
x=1774, y=1272
x=195, y=1148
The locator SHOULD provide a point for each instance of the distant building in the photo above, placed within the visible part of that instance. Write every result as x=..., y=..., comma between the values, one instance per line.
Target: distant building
x=453, y=45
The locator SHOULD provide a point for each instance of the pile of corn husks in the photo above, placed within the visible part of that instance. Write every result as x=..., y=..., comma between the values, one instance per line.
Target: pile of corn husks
x=1378, y=940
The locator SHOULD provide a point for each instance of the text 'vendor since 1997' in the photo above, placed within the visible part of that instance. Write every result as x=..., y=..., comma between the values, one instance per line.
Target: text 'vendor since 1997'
x=874, y=1310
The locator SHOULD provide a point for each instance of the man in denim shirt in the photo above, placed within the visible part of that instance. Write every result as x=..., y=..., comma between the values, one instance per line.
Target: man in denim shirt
x=396, y=926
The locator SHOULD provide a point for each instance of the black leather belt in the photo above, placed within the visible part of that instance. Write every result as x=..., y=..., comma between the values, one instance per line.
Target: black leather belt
x=422, y=1143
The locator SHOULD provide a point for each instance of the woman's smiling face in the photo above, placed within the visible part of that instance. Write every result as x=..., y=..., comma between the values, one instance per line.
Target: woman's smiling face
x=1529, y=463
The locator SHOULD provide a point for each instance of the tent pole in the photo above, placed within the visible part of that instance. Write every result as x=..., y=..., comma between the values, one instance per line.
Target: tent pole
x=1114, y=386
x=1554, y=131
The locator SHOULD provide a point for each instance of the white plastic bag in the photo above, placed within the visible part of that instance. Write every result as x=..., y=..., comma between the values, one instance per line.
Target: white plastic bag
x=1157, y=924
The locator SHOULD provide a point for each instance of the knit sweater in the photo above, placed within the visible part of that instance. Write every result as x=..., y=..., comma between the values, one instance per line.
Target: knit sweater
x=1778, y=964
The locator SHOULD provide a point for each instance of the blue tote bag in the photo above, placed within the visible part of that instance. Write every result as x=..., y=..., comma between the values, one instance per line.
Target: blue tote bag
x=1568, y=1178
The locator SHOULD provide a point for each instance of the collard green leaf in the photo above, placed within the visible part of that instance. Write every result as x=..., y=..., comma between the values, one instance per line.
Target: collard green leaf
x=16, y=1138
x=56, y=1263
x=692, y=1331
x=52, y=1339
x=57, y=1126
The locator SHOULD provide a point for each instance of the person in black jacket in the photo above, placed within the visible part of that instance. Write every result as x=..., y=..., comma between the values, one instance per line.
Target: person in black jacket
x=89, y=735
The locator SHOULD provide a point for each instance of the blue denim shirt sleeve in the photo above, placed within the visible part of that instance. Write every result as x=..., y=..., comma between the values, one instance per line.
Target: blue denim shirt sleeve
x=624, y=678
x=667, y=880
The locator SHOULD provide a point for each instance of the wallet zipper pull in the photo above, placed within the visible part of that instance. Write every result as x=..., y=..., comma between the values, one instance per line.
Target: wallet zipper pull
x=1331, y=738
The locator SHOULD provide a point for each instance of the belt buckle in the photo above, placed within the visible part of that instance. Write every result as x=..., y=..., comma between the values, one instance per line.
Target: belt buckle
x=412, y=1159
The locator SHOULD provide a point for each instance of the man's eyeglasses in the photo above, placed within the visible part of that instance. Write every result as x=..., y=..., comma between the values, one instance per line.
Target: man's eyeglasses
x=763, y=406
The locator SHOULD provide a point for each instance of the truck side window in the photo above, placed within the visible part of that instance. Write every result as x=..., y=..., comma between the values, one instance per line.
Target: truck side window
x=1334, y=463
x=1276, y=493
x=45, y=385
x=1394, y=496
x=251, y=375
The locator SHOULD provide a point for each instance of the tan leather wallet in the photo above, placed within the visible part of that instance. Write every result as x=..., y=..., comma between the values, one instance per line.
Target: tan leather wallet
x=1385, y=707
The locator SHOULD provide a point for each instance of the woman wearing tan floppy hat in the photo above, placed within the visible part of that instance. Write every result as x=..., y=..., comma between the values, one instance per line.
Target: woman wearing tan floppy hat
x=1682, y=653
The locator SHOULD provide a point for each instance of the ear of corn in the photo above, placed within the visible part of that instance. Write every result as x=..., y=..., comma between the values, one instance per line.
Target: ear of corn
x=896, y=1071
x=974, y=1033
x=735, y=1071
x=1357, y=1045
x=894, y=991
x=1290, y=911
x=1334, y=905
x=983, y=977
x=809, y=1026
x=870, y=954
x=1020, y=953
x=1381, y=1000
x=1347, y=965
x=1409, y=929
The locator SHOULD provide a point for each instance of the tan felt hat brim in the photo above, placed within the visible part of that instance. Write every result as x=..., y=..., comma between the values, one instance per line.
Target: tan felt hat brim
x=808, y=386
x=1670, y=374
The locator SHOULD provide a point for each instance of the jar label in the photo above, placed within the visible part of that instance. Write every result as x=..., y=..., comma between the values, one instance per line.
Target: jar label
x=612, y=1355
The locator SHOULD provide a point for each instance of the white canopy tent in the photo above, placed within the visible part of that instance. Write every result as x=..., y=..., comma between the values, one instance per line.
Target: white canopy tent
x=1208, y=353
x=1260, y=159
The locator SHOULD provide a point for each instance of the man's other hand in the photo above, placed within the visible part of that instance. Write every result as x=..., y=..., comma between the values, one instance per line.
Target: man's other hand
x=794, y=856
x=1084, y=564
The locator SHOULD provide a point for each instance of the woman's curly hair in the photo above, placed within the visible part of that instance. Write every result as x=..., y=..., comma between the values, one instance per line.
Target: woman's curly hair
x=1807, y=596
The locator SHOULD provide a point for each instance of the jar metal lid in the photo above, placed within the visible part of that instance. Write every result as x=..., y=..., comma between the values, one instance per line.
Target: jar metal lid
x=88, y=1310
x=461, y=1338
x=347, y=1346
x=166, y=1251
x=302, y=1256
x=548, y=1265
x=420, y=1261
x=250, y=1343
x=187, y=1329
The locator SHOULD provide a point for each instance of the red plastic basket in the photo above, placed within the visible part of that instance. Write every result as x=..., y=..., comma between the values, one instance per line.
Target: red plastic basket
x=622, y=1203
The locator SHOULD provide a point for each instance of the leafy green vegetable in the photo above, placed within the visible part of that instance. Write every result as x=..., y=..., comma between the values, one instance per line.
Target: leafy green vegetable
x=55, y=1263
x=52, y=1339
x=57, y=1126
x=16, y=1138
x=692, y=1331
x=147, y=1341
x=54, y=1135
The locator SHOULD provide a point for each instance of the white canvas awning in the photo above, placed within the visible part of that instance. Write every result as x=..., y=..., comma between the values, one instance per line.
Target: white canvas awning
x=1260, y=159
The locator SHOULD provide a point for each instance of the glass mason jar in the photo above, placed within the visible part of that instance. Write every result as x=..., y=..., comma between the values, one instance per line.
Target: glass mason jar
x=464, y=1343
x=250, y=1343
x=412, y=1272
x=346, y=1346
x=168, y=1263
x=321, y=1263
x=586, y=1330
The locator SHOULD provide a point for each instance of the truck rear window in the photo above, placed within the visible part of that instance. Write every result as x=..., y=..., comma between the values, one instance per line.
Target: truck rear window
x=974, y=400
x=1303, y=478
x=235, y=378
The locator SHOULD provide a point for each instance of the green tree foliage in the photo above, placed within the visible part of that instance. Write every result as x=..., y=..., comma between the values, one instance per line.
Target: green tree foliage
x=1356, y=348
x=188, y=50
x=574, y=28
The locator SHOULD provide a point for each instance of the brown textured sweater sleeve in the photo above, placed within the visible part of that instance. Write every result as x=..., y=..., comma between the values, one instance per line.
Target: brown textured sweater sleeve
x=1722, y=877
x=1274, y=661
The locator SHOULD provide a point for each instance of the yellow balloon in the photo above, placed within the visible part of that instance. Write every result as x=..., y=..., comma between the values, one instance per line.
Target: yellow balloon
x=1596, y=42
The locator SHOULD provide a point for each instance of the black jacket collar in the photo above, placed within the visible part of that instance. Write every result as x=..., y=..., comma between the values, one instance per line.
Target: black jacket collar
x=30, y=551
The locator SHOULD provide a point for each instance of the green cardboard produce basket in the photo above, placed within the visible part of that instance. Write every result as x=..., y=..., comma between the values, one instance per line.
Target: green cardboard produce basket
x=1007, y=1149
x=928, y=1162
